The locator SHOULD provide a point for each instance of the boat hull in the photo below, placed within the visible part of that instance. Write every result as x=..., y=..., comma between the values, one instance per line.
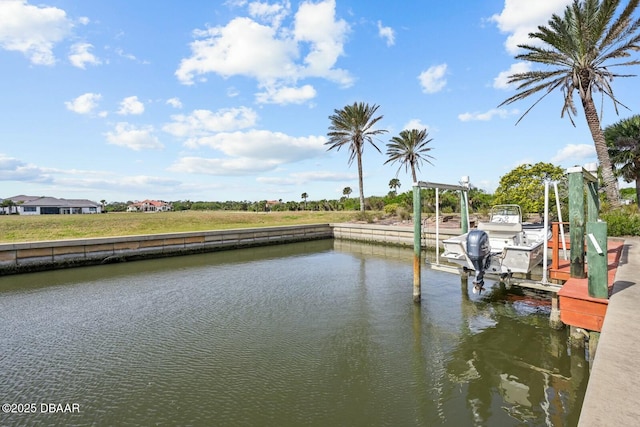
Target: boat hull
x=511, y=259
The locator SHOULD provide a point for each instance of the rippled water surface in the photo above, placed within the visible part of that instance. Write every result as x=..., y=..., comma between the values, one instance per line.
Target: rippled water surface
x=321, y=334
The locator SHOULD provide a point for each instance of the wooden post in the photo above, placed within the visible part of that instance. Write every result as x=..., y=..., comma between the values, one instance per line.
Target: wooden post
x=598, y=276
x=576, y=222
x=417, y=247
x=555, y=245
x=554, y=317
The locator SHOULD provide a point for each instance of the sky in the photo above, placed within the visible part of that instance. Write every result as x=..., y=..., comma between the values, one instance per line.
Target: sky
x=230, y=100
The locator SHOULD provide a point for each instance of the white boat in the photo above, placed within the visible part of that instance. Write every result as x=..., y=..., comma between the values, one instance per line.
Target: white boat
x=503, y=245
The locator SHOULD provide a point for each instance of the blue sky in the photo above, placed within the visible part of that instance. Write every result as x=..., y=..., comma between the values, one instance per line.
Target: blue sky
x=213, y=100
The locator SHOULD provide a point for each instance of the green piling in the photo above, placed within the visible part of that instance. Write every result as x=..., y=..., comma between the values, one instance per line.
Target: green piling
x=598, y=276
x=576, y=223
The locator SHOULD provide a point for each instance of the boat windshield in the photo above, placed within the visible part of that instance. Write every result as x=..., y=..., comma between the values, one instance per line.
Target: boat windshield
x=506, y=213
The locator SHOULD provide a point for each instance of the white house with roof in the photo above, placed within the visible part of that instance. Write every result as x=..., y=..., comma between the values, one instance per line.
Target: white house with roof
x=150, y=206
x=42, y=205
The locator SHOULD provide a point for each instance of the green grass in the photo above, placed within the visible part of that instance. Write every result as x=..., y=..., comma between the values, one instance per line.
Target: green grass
x=28, y=228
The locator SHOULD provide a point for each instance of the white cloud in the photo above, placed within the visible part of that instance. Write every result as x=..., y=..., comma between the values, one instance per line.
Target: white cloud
x=501, y=82
x=32, y=30
x=415, y=124
x=120, y=52
x=222, y=167
x=204, y=122
x=313, y=176
x=432, y=80
x=242, y=47
x=286, y=95
x=386, y=33
x=263, y=145
x=12, y=169
x=278, y=181
x=268, y=53
x=301, y=178
x=574, y=152
x=174, y=102
x=519, y=18
x=84, y=104
x=131, y=105
x=135, y=138
x=137, y=183
x=316, y=24
x=80, y=55
x=270, y=13
x=487, y=115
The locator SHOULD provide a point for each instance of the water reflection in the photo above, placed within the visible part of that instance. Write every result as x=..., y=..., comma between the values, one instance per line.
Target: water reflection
x=317, y=333
x=508, y=369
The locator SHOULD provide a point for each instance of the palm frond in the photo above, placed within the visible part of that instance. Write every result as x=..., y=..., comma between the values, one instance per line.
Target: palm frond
x=352, y=126
x=409, y=149
x=580, y=46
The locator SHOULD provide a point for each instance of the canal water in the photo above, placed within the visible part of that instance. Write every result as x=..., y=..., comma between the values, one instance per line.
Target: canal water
x=320, y=333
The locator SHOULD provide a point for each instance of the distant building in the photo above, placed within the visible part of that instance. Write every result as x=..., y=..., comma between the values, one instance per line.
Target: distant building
x=271, y=203
x=150, y=206
x=40, y=205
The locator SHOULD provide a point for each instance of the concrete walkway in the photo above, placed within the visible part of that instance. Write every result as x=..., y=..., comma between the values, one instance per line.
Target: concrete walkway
x=612, y=397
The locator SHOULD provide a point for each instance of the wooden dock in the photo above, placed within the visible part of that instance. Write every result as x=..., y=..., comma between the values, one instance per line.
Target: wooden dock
x=577, y=308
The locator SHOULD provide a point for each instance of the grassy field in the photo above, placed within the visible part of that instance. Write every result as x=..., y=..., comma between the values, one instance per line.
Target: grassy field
x=23, y=228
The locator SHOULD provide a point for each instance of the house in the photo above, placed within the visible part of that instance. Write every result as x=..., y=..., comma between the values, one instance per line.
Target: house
x=42, y=205
x=150, y=206
x=271, y=203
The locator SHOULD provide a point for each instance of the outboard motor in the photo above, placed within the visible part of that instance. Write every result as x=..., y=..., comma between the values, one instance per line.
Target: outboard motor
x=479, y=252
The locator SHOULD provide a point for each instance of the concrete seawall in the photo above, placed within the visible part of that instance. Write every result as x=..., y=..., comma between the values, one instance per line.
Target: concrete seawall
x=389, y=234
x=48, y=255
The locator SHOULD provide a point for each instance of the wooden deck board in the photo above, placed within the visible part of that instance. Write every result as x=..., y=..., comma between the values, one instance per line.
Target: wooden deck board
x=577, y=308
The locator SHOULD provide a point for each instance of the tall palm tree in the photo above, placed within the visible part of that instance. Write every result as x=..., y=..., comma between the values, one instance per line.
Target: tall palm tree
x=623, y=139
x=410, y=149
x=304, y=196
x=579, y=50
x=394, y=184
x=353, y=126
x=346, y=191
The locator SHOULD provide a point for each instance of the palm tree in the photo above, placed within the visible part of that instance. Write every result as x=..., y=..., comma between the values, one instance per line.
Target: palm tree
x=347, y=191
x=580, y=49
x=409, y=149
x=305, y=196
x=623, y=139
x=394, y=184
x=353, y=126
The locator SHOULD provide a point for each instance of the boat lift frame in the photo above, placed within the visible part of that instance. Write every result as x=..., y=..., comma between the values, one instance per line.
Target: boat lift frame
x=464, y=187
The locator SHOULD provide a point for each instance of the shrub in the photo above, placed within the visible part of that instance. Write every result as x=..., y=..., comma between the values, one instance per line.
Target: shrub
x=624, y=221
x=364, y=216
x=391, y=209
x=403, y=214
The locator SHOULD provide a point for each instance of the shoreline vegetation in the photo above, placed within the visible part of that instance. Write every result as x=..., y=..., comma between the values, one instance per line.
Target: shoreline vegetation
x=35, y=228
